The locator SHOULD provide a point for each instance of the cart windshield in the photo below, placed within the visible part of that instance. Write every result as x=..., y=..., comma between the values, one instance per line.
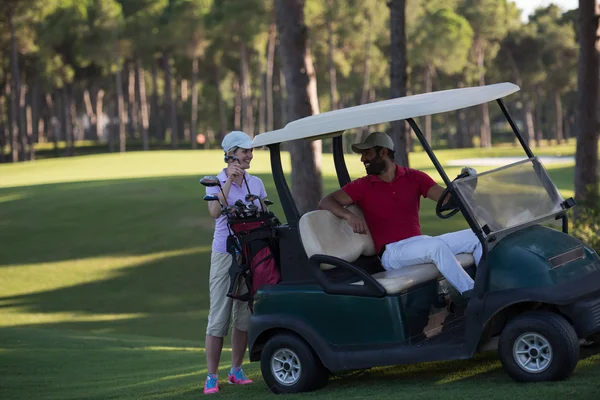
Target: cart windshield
x=511, y=196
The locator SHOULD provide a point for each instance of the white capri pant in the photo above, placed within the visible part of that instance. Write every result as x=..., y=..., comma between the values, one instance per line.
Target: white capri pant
x=439, y=250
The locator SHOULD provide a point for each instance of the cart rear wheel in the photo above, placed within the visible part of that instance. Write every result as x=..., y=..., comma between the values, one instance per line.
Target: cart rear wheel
x=538, y=346
x=289, y=365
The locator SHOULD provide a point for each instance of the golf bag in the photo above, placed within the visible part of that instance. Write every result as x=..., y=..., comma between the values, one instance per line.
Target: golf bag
x=255, y=255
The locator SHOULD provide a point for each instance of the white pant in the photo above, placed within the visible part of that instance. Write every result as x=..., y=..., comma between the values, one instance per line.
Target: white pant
x=439, y=250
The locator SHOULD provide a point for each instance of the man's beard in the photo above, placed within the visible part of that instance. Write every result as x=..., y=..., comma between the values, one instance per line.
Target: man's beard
x=377, y=166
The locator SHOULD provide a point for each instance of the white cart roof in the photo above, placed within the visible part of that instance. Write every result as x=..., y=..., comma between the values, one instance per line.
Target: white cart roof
x=335, y=122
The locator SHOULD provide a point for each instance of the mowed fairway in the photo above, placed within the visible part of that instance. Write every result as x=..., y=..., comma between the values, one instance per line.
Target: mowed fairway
x=104, y=264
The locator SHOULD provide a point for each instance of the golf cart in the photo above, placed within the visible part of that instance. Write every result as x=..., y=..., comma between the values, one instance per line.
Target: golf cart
x=536, y=294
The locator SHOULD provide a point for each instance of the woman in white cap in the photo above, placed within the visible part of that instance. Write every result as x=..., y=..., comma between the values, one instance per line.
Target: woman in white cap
x=238, y=146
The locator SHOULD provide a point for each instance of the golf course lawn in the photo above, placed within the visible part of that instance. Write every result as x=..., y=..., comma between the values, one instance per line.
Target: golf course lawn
x=104, y=279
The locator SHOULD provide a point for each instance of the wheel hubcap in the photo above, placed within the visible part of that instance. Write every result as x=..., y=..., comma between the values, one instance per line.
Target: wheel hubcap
x=532, y=352
x=286, y=367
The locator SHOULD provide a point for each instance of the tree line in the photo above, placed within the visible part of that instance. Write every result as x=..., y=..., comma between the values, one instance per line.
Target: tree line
x=149, y=74
x=184, y=72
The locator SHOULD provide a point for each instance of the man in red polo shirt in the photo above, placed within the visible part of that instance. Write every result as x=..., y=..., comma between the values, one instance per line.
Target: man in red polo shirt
x=390, y=199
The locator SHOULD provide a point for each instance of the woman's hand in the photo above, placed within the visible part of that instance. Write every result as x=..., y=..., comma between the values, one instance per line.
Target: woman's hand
x=234, y=170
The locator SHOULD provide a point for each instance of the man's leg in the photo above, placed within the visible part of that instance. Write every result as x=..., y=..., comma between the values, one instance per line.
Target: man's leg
x=463, y=241
x=425, y=249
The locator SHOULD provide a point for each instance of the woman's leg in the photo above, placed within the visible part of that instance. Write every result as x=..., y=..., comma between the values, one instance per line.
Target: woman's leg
x=239, y=332
x=220, y=309
x=214, y=347
x=239, y=342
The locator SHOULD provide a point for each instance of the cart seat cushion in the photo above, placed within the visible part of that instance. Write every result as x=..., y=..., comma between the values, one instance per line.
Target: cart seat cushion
x=322, y=232
x=398, y=280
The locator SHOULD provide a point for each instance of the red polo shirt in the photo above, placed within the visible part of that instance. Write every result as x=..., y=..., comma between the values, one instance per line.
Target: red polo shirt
x=391, y=208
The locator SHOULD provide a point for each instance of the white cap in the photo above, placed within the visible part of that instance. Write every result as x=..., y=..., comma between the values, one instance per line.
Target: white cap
x=236, y=139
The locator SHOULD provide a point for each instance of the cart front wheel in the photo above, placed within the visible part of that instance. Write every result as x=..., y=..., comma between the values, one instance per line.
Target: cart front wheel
x=289, y=365
x=539, y=346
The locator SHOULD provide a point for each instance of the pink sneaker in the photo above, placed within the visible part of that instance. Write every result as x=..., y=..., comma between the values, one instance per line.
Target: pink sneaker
x=236, y=376
x=212, y=384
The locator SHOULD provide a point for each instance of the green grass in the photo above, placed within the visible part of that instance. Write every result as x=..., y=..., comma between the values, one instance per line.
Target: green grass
x=103, y=284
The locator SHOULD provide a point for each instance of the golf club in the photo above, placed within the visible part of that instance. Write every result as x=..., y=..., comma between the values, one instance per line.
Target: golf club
x=213, y=198
x=212, y=181
x=251, y=198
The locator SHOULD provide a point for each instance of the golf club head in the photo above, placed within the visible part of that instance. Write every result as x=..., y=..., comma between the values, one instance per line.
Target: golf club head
x=240, y=203
x=210, y=181
x=210, y=198
x=251, y=197
x=267, y=202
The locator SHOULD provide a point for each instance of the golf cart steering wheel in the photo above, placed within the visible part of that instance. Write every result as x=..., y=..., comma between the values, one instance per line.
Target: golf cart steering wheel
x=451, y=205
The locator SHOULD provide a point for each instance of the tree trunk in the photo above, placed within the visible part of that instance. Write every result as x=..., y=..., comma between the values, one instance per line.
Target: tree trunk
x=398, y=74
x=194, y=118
x=77, y=127
x=155, y=121
x=29, y=117
x=529, y=133
x=66, y=118
x=586, y=155
x=222, y=116
x=539, y=136
x=35, y=114
x=527, y=114
x=428, y=88
x=3, y=132
x=269, y=77
x=53, y=119
x=364, y=98
x=485, y=129
x=169, y=102
x=143, y=104
x=16, y=133
x=284, y=97
x=303, y=101
x=462, y=130
x=181, y=123
x=262, y=103
x=99, y=114
x=89, y=110
x=559, y=118
x=247, y=113
x=121, y=111
x=131, y=106
x=333, y=92
x=237, y=107
x=23, y=131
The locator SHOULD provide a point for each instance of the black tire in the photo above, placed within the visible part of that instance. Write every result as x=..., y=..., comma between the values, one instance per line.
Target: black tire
x=556, y=361
x=312, y=374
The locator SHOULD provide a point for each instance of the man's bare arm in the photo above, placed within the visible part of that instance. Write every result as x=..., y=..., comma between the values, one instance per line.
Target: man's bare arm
x=335, y=203
x=435, y=192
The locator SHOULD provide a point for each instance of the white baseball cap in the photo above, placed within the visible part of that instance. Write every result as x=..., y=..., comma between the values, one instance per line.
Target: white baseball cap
x=236, y=139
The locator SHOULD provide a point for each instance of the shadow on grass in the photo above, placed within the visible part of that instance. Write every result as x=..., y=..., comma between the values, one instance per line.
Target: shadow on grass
x=167, y=297
x=65, y=221
x=70, y=365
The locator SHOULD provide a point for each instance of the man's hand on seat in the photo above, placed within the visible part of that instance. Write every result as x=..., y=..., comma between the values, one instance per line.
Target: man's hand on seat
x=358, y=224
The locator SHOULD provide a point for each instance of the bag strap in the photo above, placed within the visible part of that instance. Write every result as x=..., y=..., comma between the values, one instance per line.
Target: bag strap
x=262, y=234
